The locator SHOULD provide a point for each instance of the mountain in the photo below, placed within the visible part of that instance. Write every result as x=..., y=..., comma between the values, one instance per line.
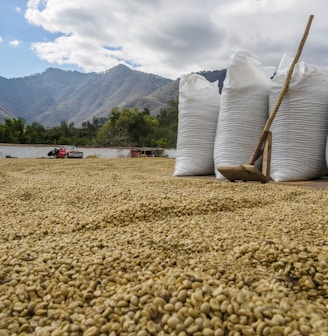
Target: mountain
x=57, y=95
x=4, y=113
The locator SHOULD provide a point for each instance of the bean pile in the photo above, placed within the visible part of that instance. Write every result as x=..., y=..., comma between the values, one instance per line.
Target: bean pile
x=121, y=247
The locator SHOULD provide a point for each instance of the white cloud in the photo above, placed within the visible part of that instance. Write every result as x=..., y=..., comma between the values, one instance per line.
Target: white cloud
x=18, y=9
x=170, y=37
x=1, y=39
x=14, y=43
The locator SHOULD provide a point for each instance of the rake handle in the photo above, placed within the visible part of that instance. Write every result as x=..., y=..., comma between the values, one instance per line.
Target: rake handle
x=257, y=151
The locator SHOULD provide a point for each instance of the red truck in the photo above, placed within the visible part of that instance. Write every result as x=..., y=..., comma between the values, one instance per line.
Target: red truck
x=66, y=152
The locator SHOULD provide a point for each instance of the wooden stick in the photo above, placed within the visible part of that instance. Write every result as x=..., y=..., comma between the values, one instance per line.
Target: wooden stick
x=266, y=163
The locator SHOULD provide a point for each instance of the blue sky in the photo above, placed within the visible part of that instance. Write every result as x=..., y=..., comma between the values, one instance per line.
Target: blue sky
x=17, y=59
x=165, y=37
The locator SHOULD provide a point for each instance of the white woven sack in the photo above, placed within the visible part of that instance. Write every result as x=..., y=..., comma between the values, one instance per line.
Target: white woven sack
x=243, y=112
x=199, y=106
x=300, y=127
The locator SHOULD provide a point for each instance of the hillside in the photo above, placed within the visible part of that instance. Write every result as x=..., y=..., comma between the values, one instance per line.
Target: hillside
x=56, y=95
x=4, y=113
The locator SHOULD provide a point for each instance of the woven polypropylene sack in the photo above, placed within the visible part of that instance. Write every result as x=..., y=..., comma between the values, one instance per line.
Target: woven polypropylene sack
x=243, y=112
x=199, y=106
x=300, y=127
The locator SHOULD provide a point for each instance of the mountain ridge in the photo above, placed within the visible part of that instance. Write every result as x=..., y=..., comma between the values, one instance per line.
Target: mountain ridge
x=58, y=95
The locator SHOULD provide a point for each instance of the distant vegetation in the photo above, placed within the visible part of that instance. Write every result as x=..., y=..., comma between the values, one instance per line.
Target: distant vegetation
x=123, y=127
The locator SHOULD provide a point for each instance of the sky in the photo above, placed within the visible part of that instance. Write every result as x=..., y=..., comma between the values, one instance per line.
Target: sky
x=168, y=38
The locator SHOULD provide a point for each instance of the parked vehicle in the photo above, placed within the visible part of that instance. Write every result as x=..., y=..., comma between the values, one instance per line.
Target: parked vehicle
x=66, y=152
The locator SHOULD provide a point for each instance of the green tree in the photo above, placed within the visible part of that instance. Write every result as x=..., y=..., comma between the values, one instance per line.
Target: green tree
x=168, y=125
x=65, y=133
x=13, y=130
x=140, y=127
x=162, y=142
x=115, y=131
x=2, y=133
x=128, y=127
x=168, y=116
x=35, y=134
x=89, y=128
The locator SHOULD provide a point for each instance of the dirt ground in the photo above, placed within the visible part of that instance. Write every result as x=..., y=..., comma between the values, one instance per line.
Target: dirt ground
x=321, y=183
x=121, y=247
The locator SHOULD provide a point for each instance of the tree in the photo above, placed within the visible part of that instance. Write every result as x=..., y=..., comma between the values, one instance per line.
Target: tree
x=128, y=127
x=109, y=136
x=2, y=133
x=168, y=124
x=141, y=127
x=35, y=133
x=13, y=130
x=90, y=128
x=168, y=116
x=162, y=142
x=111, y=133
x=64, y=133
